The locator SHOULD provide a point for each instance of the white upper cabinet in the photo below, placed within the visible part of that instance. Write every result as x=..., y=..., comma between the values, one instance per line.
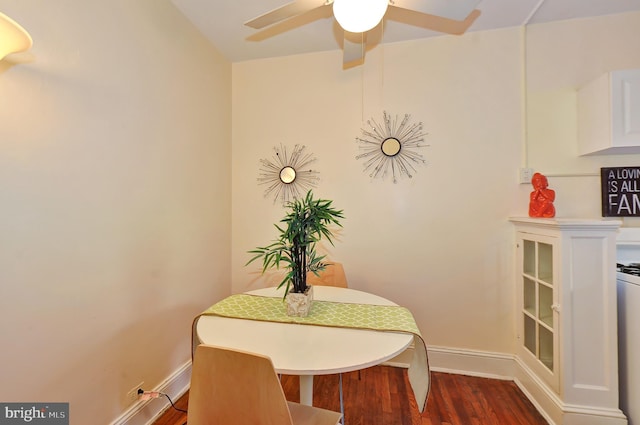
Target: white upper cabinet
x=609, y=114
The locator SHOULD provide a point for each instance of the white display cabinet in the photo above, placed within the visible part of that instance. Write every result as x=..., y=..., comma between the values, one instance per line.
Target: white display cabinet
x=566, y=348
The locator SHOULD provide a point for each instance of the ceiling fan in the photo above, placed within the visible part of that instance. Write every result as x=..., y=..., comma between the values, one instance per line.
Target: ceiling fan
x=446, y=16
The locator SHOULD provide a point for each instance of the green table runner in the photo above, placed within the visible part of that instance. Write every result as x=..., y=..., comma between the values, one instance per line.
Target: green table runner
x=323, y=313
x=335, y=314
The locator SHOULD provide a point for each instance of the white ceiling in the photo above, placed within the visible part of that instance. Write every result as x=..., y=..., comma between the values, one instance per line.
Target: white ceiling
x=222, y=22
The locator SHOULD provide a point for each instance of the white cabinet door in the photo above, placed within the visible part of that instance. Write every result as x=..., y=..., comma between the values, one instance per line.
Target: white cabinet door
x=538, y=305
x=609, y=114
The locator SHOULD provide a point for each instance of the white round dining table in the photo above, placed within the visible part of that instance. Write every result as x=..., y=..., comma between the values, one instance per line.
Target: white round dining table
x=307, y=350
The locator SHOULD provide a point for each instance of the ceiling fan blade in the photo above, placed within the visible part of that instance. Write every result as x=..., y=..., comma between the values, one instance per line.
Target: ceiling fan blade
x=284, y=12
x=432, y=22
x=353, y=49
x=322, y=12
x=457, y=10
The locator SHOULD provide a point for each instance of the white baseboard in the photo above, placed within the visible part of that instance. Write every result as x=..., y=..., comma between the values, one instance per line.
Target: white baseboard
x=147, y=412
x=441, y=359
x=554, y=410
x=509, y=367
x=483, y=364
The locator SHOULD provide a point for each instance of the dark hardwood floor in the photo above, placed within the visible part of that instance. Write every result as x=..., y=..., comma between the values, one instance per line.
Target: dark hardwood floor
x=380, y=396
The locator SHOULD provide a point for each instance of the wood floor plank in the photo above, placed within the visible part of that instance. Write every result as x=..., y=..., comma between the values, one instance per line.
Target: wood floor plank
x=382, y=395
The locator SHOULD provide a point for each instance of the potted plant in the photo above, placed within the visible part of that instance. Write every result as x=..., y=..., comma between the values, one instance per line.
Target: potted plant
x=306, y=222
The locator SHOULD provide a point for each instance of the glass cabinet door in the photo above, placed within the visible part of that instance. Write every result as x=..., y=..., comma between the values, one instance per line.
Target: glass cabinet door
x=537, y=302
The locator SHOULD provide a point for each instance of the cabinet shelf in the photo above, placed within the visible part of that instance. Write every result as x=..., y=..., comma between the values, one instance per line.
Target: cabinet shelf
x=544, y=325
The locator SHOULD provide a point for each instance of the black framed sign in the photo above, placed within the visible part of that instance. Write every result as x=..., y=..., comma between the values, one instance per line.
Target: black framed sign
x=620, y=191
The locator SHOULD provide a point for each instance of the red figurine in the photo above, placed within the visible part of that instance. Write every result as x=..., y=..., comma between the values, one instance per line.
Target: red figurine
x=541, y=199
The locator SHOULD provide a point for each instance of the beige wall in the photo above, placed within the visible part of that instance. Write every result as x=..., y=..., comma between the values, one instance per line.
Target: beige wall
x=115, y=200
x=117, y=169
x=438, y=243
x=561, y=57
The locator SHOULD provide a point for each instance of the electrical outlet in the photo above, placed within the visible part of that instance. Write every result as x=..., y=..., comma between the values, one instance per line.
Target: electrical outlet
x=132, y=394
x=526, y=174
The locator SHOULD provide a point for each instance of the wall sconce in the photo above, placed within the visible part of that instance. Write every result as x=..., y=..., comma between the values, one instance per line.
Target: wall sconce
x=13, y=38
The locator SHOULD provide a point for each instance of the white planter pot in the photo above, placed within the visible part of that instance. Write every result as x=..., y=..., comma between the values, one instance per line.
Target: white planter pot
x=299, y=305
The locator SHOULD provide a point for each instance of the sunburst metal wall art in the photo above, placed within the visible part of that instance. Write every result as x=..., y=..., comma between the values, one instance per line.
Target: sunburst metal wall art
x=391, y=147
x=288, y=176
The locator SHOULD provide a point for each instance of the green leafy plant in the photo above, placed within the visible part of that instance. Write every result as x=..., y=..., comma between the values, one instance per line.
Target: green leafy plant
x=306, y=223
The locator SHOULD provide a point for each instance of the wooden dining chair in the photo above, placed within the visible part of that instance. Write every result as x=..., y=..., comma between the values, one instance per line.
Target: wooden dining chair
x=240, y=388
x=332, y=275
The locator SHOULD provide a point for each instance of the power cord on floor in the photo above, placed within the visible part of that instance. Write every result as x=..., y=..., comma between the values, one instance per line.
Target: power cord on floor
x=173, y=405
x=147, y=395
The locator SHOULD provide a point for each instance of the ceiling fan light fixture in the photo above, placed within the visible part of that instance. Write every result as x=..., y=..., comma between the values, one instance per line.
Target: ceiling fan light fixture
x=359, y=15
x=13, y=38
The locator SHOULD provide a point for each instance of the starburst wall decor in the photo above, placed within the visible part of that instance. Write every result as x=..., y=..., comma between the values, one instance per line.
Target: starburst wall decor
x=391, y=147
x=288, y=176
